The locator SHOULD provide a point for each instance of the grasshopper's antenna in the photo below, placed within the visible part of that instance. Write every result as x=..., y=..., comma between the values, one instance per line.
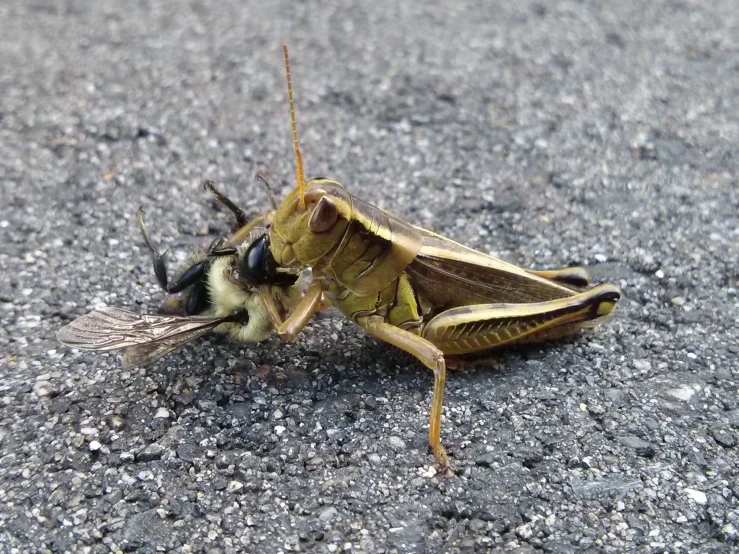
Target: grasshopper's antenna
x=299, y=176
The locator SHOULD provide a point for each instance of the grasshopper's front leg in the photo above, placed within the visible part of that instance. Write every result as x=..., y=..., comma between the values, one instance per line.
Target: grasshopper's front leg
x=309, y=304
x=431, y=357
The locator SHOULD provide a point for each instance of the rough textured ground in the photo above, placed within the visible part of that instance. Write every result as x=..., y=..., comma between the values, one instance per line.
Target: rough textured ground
x=547, y=134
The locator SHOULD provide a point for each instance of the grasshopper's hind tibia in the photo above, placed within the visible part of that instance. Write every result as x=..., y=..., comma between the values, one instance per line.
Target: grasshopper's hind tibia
x=480, y=327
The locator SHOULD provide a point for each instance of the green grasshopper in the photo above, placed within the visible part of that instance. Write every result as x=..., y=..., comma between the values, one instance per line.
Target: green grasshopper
x=422, y=292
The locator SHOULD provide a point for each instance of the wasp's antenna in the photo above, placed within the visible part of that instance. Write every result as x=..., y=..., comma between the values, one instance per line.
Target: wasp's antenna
x=270, y=192
x=299, y=176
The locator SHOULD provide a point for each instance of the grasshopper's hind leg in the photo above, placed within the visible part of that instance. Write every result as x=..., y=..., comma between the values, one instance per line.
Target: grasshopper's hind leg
x=431, y=357
x=480, y=327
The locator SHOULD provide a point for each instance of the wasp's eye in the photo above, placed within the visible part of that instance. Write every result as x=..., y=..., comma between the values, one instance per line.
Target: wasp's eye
x=258, y=266
x=255, y=266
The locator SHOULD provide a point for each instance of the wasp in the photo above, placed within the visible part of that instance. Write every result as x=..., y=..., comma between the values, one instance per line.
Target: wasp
x=220, y=289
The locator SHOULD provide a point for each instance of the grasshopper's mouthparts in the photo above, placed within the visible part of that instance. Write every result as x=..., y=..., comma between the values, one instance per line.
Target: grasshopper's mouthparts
x=285, y=256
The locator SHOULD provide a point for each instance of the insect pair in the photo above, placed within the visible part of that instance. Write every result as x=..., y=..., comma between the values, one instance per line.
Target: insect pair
x=424, y=293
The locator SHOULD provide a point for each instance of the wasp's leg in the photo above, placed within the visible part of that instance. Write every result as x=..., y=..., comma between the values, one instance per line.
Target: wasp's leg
x=431, y=357
x=270, y=191
x=575, y=276
x=159, y=260
x=194, y=274
x=219, y=251
x=239, y=214
x=477, y=328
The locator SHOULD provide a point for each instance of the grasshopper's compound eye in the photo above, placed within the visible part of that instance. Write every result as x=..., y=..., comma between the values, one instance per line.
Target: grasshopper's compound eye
x=324, y=216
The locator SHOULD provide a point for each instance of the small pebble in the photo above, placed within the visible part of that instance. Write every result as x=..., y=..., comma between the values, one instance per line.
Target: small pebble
x=697, y=496
x=234, y=486
x=396, y=443
x=328, y=514
x=684, y=393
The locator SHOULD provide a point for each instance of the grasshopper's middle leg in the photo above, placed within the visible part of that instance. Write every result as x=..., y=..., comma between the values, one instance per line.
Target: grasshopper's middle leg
x=431, y=357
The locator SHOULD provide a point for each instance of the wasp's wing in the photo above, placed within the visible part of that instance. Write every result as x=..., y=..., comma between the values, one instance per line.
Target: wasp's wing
x=145, y=337
x=148, y=353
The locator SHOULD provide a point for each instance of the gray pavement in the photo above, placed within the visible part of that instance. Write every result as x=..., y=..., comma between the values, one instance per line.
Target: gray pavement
x=546, y=133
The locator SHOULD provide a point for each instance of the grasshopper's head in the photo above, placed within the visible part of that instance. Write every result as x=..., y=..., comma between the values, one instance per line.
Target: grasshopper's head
x=300, y=236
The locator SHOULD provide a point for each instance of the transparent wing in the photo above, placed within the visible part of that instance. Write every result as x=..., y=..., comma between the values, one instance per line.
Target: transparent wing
x=148, y=353
x=143, y=337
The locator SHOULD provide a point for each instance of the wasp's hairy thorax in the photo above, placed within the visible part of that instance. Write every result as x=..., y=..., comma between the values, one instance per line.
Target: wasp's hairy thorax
x=229, y=293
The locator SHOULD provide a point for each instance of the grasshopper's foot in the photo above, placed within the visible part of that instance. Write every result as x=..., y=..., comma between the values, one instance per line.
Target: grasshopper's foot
x=444, y=467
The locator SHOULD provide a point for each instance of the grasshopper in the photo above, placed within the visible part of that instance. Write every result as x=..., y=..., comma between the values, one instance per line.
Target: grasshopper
x=419, y=291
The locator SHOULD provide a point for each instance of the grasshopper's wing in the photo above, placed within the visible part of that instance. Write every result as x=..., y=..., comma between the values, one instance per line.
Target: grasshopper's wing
x=450, y=273
x=143, y=337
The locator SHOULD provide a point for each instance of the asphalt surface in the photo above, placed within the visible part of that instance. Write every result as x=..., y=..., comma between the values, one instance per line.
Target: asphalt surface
x=548, y=134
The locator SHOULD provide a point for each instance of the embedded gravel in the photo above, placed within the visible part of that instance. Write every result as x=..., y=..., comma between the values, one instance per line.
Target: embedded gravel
x=548, y=134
